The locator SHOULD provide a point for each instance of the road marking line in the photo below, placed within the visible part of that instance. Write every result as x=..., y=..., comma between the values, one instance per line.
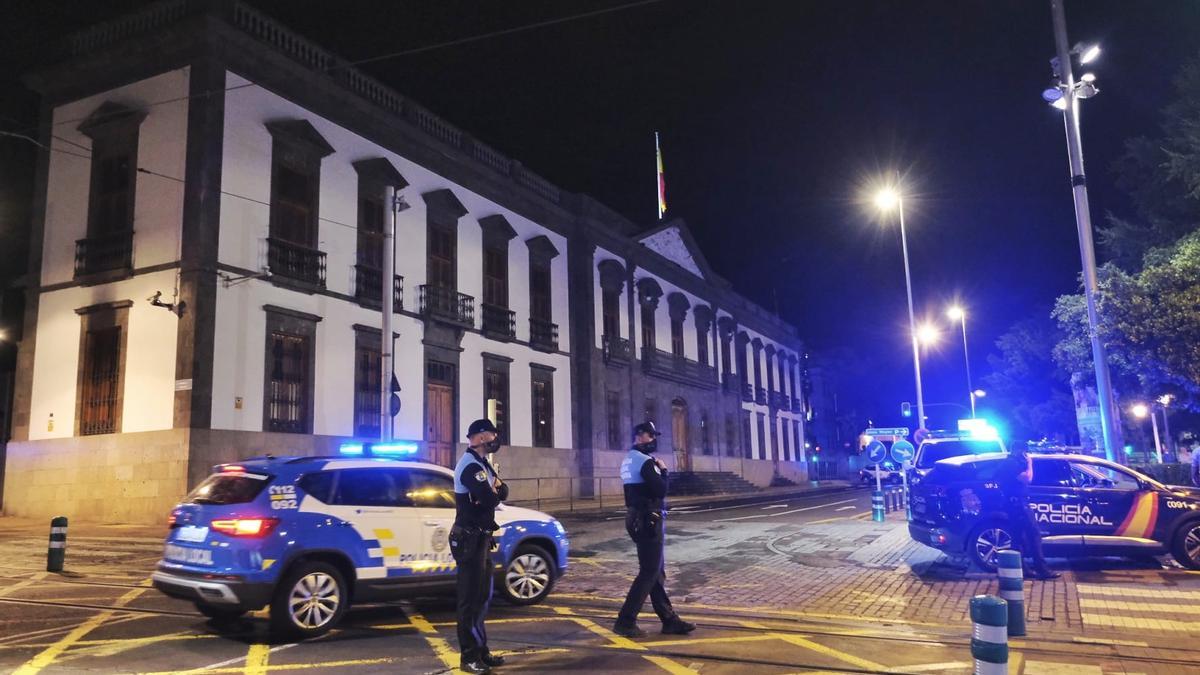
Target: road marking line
x=297, y=666
x=87, y=649
x=697, y=641
x=256, y=659
x=775, y=506
x=846, y=508
x=670, y=666
x=1106, y=641
x=222, y=666
x=8, y=590
x=14, y=641
x=1059, y=668
x=783, y=513
x=624, y=642
x=1164, y=594
x=1140, y=623
x=47, y=656
x=1158, y=607
x=735, y=506
x=440, y=646
x=831, y=652
x=935, y=667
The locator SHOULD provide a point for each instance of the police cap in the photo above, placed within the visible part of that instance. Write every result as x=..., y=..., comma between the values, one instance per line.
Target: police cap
x=480, y=426
x=646, y=428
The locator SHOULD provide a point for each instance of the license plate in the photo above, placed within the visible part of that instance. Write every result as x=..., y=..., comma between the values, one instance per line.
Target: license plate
x=192, y=533
x=191, y=556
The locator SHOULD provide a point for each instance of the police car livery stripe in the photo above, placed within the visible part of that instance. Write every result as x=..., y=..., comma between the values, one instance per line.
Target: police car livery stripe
x=1142, y=517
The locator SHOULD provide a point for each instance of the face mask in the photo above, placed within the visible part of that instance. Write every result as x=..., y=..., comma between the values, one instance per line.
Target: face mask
x=491, y=446
x=648, y=447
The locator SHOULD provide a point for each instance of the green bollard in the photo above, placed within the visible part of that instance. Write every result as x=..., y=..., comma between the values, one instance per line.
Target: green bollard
x=57, y=553
x=989, y=641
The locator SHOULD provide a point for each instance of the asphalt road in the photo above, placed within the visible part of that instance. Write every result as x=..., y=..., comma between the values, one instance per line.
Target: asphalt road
x=104, y=618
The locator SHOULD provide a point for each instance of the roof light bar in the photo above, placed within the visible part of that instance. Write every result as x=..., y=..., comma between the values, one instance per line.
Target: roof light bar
x=394, y=449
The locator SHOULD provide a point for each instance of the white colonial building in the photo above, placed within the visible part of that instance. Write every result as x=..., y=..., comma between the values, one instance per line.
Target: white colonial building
x=208, y=248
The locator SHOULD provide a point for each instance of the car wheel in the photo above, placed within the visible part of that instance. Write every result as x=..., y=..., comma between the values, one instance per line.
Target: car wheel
x=310, y=600
x=528, y=577
x=220, y=614
x=1187, y=545
x=986, y=541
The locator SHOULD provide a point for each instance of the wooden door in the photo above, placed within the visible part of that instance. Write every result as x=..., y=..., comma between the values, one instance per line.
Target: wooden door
x=439, y=423
x=679, y=436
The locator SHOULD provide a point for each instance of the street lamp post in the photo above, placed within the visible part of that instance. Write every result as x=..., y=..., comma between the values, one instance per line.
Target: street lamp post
x=1140, y=411
x=957, y=314
x=1069, y=103
x=1165, y=400
x=886, y=199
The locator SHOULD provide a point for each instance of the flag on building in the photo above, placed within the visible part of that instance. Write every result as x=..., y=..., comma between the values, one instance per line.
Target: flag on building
x=662, y=185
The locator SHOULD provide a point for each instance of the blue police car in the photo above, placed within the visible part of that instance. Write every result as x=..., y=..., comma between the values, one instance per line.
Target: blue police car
x=310, y=535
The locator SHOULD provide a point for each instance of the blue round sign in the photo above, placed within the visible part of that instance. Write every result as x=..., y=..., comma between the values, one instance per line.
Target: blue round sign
x=876, y=452
x=903, y=451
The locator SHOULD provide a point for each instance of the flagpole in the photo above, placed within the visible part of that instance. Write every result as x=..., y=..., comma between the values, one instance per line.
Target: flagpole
x=658, y=176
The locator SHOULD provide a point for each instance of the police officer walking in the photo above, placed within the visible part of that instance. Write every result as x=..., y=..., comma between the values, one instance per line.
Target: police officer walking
x=645, y=481
x=1015, y=474
x=477, y=492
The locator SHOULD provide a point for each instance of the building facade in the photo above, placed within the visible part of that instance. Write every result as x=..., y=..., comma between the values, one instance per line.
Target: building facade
x=208, y=244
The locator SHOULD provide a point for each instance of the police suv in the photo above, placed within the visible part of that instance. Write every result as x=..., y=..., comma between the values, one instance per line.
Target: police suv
x=308, y=535
x=1085, y=506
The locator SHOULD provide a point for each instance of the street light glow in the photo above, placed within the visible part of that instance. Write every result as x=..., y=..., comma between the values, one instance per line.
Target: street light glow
x=1166, y=399
x=1088, y=77
x=1140, y=410
x=887, y=198
x=1060, y=103
x=955, y=313
x=927, y=334
x=979, y=393
x=1089, y=54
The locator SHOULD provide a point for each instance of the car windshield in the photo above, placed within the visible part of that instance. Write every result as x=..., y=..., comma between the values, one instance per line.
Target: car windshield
x=224, y=488
x=931, y=453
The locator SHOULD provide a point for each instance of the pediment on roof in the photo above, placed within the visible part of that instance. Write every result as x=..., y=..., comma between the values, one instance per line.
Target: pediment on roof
x=674, y=242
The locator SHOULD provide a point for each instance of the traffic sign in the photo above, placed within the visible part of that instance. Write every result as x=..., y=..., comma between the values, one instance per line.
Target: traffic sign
x=876, y=452
x=895, y=431
x=903, y=451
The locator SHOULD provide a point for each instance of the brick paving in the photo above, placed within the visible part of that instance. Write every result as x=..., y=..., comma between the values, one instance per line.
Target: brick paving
x=858, y=569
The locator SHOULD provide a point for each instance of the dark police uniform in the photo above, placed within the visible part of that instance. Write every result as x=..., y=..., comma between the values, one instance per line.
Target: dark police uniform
x=1027, y=536
x=475, y=498
x=645, y=489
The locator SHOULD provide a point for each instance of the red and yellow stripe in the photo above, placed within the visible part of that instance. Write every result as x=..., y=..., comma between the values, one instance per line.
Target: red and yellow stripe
x=1142, y=517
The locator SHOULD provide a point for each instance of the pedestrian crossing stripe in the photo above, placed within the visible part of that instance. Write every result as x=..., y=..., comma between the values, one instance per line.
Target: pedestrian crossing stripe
x=1142, y=516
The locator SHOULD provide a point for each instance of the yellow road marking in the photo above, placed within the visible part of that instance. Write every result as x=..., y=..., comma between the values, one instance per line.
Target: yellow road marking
x=292, y=666
x=440, y=646
x=1125, y=591
x=624, y=643
x=1014, y=662
x=47, y=656
x=1107, y=641
x=86, y=649
x=1122, y=607
x=1058, y=668
x=697, y=641
x=670, y=666
x=935, y=667
x=9, y=590
x=256, y=659
x=1140, y=623
x=831, y=652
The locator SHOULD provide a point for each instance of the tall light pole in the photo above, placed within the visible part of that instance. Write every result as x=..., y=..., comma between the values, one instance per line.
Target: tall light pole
x=1068, y=101
x=887, y=199
x=957, y=313
x=1165, y=400
x=1140, y=411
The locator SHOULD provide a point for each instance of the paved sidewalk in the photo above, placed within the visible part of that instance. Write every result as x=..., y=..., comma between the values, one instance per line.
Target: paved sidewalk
x=584, y=508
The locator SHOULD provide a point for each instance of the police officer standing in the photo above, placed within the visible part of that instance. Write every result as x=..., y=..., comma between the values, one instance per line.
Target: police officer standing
x=1015, y=474
x=477, y=492
x=645, y=481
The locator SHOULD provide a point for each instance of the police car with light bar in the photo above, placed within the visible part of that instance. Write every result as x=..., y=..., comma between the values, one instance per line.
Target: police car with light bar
x=309, y=535
x=1085, y=506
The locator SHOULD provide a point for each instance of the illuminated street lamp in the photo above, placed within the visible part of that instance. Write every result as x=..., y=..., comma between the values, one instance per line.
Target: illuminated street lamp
x=1064, y=94
x=958, y=314
x=887, y=199
x=1165, y=400
x=1140, y=411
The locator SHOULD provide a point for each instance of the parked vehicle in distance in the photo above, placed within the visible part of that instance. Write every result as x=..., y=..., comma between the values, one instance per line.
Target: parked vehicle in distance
x=310, y=535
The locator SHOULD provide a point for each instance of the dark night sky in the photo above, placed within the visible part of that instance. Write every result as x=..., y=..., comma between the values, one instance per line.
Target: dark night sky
x=775, y=116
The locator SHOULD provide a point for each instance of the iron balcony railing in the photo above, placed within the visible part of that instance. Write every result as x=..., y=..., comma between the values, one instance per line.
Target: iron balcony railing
x=368, y=282
x=104, y=254
x=670, y=366
x=543, y=335
x=760, y=395
x=616, y=349
x=499, y=322
x=296, y=262
x=447, y=304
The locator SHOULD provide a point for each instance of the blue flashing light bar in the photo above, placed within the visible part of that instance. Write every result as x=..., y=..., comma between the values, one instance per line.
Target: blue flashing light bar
x=397, y=449
x=979, y=428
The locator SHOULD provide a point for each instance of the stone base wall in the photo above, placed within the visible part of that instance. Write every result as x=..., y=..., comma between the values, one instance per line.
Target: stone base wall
x=122, y=478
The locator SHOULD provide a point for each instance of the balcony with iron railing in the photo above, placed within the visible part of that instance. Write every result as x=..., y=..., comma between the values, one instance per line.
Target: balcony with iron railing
x=543, y=335
x=295, y=262
x=107, y=253
x=448, y=305
x=368, y=287
x=616, y=350
x=747, y=392
x=760, y=395
x=669, y=366
x=499, y=322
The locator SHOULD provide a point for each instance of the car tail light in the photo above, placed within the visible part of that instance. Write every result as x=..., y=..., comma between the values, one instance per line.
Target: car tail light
x=245, y=527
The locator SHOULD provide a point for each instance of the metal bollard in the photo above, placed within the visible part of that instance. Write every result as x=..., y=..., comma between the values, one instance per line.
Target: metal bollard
x=57, y=553
x=1012, y=590
x=989, y=641
x=877, y=512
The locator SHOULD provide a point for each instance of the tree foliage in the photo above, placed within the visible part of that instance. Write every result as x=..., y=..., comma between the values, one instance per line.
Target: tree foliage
x=1028, y=384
